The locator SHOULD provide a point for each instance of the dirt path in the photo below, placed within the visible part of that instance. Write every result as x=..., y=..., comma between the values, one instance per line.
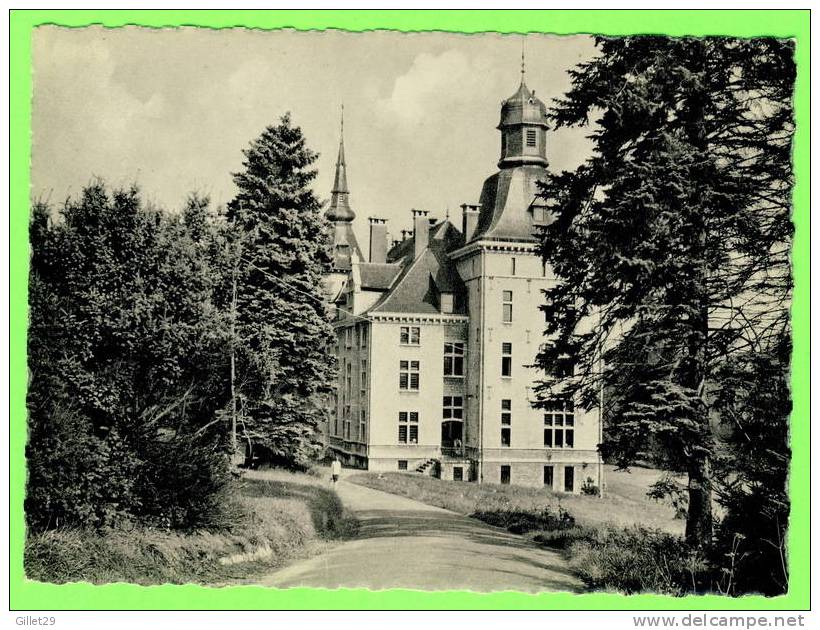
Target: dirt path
x=407, y=544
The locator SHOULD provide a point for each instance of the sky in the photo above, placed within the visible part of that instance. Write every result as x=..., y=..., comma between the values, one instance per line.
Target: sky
x=172, y=109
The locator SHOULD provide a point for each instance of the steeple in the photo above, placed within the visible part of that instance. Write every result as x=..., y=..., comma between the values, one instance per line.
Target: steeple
x=340, y=213
x=339, y=209
x=523, y=126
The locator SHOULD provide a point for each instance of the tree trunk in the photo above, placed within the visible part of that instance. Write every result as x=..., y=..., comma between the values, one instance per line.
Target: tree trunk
x=699, y=515
x=234, y=445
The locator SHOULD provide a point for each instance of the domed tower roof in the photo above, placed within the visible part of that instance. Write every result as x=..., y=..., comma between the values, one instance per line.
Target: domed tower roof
x=523, y=108
x=509, y=199
x=523, y=128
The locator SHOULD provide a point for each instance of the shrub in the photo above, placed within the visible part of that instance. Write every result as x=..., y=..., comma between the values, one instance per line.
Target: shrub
x=182, y=482
x=75, y=477
x=637, y=560
x=589, y=488
x=521, y=521
x=562, y=538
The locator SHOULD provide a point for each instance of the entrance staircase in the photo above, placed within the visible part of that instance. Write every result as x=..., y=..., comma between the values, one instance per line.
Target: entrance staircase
x=427, y=467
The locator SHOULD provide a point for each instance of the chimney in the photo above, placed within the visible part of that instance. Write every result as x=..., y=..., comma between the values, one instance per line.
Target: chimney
x=421, y=231
x=469, y=220
x=378, y=240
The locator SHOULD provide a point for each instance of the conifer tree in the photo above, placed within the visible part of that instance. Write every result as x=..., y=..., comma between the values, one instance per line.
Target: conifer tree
x=670, y=242
x=285, y=367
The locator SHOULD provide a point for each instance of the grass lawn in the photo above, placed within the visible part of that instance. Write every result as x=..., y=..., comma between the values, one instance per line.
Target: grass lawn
x=624, y=502
x=271, y=517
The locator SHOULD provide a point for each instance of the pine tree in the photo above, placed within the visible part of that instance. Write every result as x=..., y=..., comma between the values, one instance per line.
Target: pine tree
x=671, y=242
x=285, y=367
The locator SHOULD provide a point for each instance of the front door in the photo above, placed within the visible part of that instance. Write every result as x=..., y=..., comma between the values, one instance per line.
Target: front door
x=452, y=434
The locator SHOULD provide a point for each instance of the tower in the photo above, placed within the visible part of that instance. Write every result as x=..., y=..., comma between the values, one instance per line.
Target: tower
x=340, y=214
x=523, y=128
x=515, y=441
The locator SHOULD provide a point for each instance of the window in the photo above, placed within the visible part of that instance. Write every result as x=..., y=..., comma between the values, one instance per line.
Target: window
x=362, y=424
x=549, y=474
x=402, y=464
x=453, y=408
x=408, y=427
x=349, y=380
x=410, y=335
x=506, y=306
x=564, y=367
x=505, y=474
x=348, y=337
x=454, y=358
x=363, y=376
x=409, y=375
x=506, y=359
x=539, y=214
x=505, y=436
x=446, y=302
x=506, y=411
x=559, y=424
x=512, y=266
x=569, y=478
x=531, y=137
x=363, y=336
x=458, y=473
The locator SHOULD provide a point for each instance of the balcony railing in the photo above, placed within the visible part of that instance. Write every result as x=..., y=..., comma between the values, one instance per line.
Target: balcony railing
x=456, y=452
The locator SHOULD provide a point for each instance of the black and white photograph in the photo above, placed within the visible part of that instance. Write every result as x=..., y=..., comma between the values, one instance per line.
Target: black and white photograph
x=435, y=311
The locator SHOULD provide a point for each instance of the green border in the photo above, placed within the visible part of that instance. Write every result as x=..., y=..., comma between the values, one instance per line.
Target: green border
x=27, y=595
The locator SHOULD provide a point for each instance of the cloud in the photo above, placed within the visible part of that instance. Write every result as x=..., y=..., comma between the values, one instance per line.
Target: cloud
x=431, y=88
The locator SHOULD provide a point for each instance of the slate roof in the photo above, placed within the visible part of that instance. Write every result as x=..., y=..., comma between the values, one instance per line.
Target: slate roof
x=378, y=276
x=344, y=245
x=505, y=204
x=523, y=107
x=423, y=279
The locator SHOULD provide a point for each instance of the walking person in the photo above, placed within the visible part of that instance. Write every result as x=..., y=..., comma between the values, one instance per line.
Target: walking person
x=335, y=470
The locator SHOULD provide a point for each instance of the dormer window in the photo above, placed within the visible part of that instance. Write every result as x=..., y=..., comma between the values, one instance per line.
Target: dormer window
x=531, y=139
x=539, y=214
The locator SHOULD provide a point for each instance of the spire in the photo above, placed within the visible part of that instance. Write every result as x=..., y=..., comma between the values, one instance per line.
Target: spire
x=345, y=248
x=339, y=209
x=340, y=181
x=523, y=69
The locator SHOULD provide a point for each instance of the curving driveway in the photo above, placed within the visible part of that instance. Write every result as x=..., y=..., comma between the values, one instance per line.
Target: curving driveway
x=406, y=544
